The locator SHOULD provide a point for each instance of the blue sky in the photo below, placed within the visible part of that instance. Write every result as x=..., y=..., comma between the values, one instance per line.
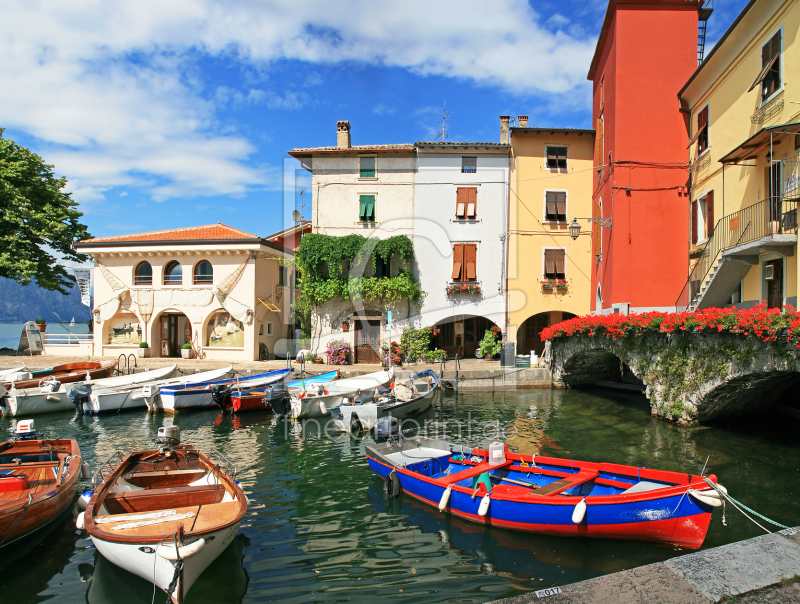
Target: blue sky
x=180, y=113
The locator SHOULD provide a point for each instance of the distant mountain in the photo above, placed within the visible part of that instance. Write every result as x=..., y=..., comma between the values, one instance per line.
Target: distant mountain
x=27, y=303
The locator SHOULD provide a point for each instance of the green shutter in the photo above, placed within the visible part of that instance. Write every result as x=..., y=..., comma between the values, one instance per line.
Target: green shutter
x=366, y=167
x=366, y=208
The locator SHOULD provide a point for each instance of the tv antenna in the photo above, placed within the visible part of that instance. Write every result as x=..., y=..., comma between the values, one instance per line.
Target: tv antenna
x=302, y=206
x=443, y=134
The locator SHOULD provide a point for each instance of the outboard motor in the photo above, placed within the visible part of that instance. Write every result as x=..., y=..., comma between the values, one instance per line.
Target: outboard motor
x=78, y=395
x=221, y=395
x=169, y=436
x=387, y=427
x=25, y=430
x=277, y=396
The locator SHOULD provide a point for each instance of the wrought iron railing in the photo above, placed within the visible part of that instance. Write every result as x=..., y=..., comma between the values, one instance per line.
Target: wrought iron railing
x=770, y=216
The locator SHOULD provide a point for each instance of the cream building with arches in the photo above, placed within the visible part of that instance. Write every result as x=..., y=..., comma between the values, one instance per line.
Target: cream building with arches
x=221, y=290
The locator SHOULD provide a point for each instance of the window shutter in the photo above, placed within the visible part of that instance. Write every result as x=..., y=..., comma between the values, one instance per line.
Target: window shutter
x=470, y=256
x=694, y=222
x=472, y=202
x=550, y=198
x=710, y=214
x=559, y=256
x=362, y=208
x=370, y=208
x=461, y=202
x=597, y=233
x=549, y=263
x=458, y=261
x=599, y=144
x=561, y=203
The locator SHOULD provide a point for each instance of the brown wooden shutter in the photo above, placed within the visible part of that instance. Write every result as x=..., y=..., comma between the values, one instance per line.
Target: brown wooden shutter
x=549, y=263
x=458, y=261
x=710, y=214
x=559, y=256
x=561, y=203
x=550, y=201
x=472, y=202
x=597, y=233
x=470, y=257
x=694, y=222
x=598, y=141
x=461, y=202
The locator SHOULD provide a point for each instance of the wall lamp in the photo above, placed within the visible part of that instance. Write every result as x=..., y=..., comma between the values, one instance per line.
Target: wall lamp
x=575, y=227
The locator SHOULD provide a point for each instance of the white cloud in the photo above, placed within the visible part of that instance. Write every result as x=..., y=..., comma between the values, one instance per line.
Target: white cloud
x=115, y=93
x=382, y=109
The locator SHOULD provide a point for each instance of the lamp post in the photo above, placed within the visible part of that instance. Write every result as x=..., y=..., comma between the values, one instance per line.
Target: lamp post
x=575, y=227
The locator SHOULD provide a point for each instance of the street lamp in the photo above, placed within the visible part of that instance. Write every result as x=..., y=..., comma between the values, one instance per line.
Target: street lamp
x=575, y=227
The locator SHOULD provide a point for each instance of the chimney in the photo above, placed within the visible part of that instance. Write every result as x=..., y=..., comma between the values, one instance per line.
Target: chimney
x=343, y=134
x=503, y=129
x=522, y=120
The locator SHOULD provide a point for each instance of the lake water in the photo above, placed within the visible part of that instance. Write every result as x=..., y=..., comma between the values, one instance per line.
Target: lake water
x=320, y=528
x=10, y=332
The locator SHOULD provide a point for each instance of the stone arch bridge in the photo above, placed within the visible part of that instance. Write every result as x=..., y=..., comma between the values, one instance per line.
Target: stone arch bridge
x=688, y=378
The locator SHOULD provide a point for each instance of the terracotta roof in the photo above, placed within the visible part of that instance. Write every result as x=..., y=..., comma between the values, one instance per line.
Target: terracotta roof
x=353, y=149
x=199, y=233
x=550, y=129
x=457, y=144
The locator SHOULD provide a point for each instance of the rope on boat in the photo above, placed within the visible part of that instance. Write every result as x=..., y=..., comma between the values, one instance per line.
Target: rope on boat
x=8, y=534
x=739, y=505
x=176, y=575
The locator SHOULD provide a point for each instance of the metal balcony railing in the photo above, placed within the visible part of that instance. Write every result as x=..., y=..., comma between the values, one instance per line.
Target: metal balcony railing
x=770, y=216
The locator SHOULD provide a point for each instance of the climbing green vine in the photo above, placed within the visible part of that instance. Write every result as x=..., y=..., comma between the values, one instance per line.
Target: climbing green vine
x=327, y=264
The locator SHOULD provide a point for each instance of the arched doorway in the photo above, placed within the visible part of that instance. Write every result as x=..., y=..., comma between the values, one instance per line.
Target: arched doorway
x=461, y=334
x=171, y=330
x=528, y=336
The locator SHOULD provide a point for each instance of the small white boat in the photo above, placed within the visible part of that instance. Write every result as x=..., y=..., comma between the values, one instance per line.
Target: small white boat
x=140, y=397
x=5, y=372
x=318, y=399
x=51, y=396
x=162, y=522
x=409, y=396
x=195, y=395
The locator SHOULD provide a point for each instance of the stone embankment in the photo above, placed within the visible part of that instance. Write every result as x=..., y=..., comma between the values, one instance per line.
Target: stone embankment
x=688, y=378
x=711, y=575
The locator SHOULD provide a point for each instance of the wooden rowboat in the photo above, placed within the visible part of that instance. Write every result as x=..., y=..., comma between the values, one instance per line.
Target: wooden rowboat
x=549, y=495
x=66, y=374
x=165, y=514
x=38, y=482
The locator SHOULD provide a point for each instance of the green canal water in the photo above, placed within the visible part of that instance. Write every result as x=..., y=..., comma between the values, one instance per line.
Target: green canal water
x=319, y=528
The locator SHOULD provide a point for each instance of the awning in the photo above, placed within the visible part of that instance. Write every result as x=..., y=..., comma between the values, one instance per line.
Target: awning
x=759, y=142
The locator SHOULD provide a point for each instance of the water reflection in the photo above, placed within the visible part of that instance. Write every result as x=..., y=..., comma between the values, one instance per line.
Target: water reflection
x=320, y=528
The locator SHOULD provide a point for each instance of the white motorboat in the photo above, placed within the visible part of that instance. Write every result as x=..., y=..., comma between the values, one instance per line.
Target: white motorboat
x=197, y=395
x=51, y=396
x=163, y=523
x=141, y=397
x=409, y=396
x=5, y=372
x=318, y=399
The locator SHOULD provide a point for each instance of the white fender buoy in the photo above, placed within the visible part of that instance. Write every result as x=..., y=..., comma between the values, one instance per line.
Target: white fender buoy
x=80, y=521
x=711, y=498
x=83, y=500
x=86, y=471
x=484, y=507
x=445, y=498
x=322, y=408
x=722, y=489
x=186, y=551
x=579, y=513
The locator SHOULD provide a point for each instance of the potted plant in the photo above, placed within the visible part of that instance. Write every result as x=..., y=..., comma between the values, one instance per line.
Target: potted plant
x=490, y=344
x=311, y=357
x=144, y=350
x=41, y=324
x=186, y=351
x=398, y=352
x=338, y=352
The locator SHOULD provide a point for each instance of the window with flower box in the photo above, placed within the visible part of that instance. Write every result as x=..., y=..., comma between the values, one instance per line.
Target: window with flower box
x=466, y=203
x=464, y=262
x=554, y=261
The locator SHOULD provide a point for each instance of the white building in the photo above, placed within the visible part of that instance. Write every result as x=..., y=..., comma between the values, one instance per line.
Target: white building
x=460, y=216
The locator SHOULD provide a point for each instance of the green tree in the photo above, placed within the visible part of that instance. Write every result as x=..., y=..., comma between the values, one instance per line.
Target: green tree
x=35, y=214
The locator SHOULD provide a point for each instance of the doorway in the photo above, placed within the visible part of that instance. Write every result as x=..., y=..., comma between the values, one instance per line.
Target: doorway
x=368, y=339
x=175, y=332
x=774, y=277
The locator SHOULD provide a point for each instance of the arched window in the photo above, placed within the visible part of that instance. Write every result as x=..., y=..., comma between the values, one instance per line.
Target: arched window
x=203, y=273
x=143, y=275
x=173, y=274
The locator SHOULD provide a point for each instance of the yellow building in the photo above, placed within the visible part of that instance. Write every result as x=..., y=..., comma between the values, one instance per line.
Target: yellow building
x=549, y=272
x=744, y=120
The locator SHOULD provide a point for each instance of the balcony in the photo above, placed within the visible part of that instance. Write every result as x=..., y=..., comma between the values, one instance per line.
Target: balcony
x=769, y=225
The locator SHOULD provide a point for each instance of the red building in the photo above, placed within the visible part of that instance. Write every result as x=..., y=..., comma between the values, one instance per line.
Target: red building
x=291, y=237
x=646, y=51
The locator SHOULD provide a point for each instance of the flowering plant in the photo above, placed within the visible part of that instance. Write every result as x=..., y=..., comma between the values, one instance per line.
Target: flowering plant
x=554, y=283
x=337, y=352
x=398, y=351
x=434, y=356
x=766, y=324
x=454, y=289
x=490, y=344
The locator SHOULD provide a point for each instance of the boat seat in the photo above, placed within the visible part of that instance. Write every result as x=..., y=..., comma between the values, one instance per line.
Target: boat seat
x=471, y=472
x=148, y=500
x=206, y=517
x=559, y=486
x=645, y=485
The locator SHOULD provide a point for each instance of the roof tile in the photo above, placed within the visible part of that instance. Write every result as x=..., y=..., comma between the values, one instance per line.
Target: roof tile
x=207, y=232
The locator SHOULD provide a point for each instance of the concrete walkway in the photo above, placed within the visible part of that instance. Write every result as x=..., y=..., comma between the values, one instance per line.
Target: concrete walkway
x=711, y=575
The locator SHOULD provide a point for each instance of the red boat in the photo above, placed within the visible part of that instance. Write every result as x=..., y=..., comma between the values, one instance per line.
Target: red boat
x=66, y=374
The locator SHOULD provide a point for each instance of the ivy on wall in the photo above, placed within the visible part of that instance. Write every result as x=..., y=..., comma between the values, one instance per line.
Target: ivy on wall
x=322, y=262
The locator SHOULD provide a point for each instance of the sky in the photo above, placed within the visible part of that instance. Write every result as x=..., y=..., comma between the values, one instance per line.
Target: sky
x=166, y=114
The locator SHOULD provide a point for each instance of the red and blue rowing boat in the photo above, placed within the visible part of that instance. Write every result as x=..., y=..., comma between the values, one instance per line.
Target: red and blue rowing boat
x=549, y=495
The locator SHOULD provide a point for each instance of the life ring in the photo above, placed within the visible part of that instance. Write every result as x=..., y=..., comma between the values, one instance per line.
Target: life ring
x=391, y=485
